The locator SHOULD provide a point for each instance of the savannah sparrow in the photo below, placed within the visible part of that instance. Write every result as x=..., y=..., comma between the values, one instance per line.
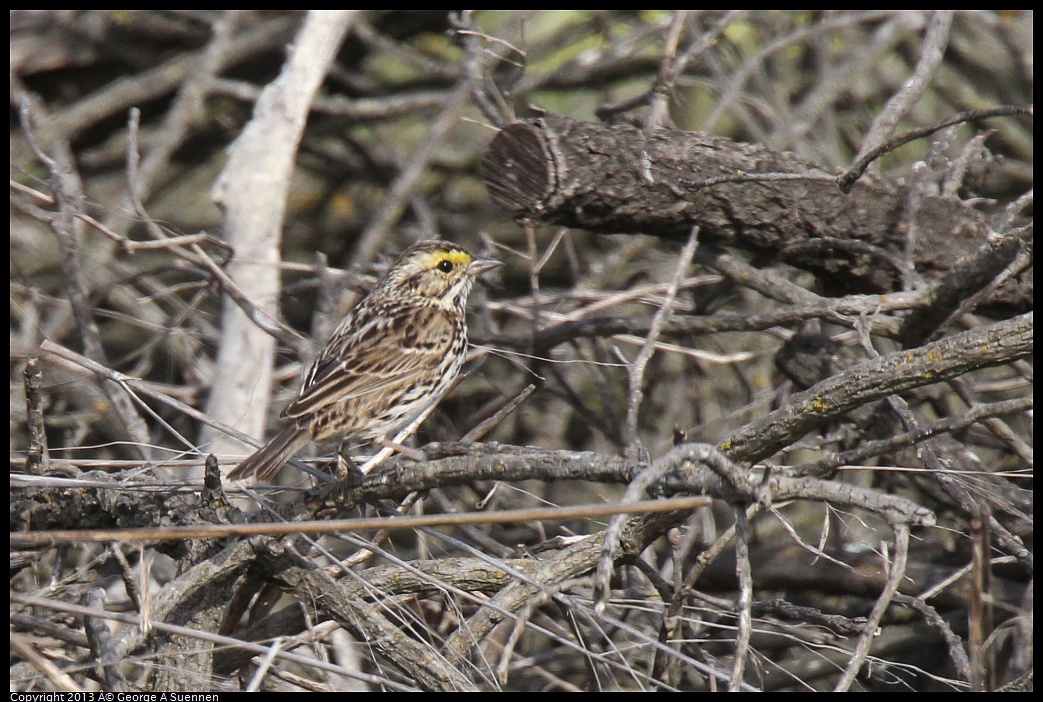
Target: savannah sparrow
x=392, y=358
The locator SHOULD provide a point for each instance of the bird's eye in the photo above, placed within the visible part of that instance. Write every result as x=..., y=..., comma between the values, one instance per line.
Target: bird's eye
x=445, y=265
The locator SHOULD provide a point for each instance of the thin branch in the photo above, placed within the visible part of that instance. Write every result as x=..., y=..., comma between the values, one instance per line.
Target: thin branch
x=636, y=371
x=895, y=574
x=935, y=40
x=744, y=601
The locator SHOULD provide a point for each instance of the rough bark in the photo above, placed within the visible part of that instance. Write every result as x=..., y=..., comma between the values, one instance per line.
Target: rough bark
x=618, y=178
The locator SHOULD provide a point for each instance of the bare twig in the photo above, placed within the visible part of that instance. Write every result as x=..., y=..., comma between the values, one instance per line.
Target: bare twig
x=636, y=372
x=744, y=628
x=935, y=40
x=895, y=573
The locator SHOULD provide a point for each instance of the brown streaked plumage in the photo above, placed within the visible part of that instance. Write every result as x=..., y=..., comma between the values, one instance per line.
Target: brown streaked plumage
x=390, y=359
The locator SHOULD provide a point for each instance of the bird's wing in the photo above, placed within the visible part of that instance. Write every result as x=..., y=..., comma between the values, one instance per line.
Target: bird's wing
x=375, y=353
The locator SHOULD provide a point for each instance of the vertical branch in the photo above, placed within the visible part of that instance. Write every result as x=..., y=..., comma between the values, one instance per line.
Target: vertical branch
x=936, y=38
x=673, y=68
x=252, y=193
x=492, y=100
x=894, y=578
x=36, y=460
x=663, y=82
x=636, y=490
x=68, y=193
x=744, y=602
x=176, y=124
x=979, y=624
x=637, y=368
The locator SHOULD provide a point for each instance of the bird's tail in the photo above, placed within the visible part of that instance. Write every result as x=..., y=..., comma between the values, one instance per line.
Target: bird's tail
x=267, y=461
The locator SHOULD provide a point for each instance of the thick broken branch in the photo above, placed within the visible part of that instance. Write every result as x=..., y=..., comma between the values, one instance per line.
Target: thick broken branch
x=618, y=178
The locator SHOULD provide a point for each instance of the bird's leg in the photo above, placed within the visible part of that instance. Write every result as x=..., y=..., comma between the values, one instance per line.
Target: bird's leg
x=345, y=465
x=406, y=451
x=395, y=443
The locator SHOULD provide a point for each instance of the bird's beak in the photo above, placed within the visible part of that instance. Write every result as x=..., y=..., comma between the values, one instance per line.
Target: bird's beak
x=481, y=265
